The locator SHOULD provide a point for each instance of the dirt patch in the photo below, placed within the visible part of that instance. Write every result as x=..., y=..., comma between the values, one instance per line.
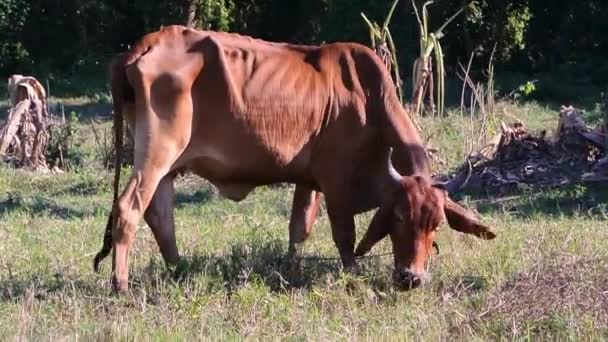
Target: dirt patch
x=571, y=285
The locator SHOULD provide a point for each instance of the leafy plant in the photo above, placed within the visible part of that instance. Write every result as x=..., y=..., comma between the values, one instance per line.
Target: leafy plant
x=523, y=90
x=63, y=150
x=13, y=54
x=423, y=81
x=527, y=88
x=482, y=103
x=382, y=42
x=210, y=14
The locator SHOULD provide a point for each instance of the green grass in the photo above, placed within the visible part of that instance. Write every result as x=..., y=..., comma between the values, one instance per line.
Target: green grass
x=544, y=276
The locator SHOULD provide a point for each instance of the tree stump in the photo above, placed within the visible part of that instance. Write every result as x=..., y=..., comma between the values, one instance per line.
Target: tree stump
x=24, y=137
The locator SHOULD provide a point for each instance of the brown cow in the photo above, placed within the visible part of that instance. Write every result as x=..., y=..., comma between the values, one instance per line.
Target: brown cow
x=242, y=112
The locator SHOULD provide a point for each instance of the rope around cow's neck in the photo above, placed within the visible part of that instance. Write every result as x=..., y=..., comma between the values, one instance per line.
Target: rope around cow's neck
x=319, y=258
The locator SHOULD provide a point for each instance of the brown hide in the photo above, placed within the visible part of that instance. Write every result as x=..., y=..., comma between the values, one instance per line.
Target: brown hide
x=243, y=112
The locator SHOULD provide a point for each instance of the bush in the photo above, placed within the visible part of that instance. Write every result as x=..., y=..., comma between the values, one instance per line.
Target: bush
x=12, y=19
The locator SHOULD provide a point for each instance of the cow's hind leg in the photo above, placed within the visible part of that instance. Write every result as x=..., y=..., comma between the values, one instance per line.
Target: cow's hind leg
x=130, y=208
x=154, y=155
x=306, y=202
x=160, y=218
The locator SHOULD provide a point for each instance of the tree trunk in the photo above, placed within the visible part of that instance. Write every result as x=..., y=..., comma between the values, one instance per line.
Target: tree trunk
x=605, y=107
x=190, y=12
x=24, y=138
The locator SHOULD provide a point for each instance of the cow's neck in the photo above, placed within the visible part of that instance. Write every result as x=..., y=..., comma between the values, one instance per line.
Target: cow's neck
x=400, y=133
x=411, y=160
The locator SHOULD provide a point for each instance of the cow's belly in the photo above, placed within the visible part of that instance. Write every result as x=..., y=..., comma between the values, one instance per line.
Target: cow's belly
x=237, y=167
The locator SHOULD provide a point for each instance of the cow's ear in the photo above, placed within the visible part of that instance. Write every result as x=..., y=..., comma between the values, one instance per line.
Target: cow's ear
x=464, y=221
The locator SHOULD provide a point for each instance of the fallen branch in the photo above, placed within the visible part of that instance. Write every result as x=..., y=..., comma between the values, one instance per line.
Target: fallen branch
x=516, y=158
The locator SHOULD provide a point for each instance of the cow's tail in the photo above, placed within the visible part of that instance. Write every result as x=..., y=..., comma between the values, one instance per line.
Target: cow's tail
x=119, y=89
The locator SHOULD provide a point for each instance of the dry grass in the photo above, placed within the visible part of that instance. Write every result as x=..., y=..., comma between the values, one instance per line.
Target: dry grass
x=565, y=285
x=232, y=282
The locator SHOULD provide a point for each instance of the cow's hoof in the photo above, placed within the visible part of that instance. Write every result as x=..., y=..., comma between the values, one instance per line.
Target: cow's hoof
x=352, y=269
x=180, y=270
x=120, y=286
x=292, y=269
x=295, y=272
x=173, y=260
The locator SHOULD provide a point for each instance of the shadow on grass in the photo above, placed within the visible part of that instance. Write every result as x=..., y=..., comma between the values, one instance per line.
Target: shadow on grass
x=39, y=205
x=243, y=264
x=266, y=263
x=198, y=197
x=86, y=111
x=86, y=188
x=461, y=286
x=35, y=287
x=569, y=201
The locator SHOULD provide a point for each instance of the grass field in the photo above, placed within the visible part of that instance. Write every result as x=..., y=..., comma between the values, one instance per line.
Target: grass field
x=545, y=275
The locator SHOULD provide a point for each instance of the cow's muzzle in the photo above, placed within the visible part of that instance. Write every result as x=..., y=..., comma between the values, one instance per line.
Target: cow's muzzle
x=405, y=279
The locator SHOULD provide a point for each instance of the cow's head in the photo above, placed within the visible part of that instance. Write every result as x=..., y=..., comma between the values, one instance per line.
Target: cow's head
x=411, y=214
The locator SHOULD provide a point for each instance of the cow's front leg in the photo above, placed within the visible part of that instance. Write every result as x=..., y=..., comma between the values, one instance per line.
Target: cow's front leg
x=305, y=207
x=337, y=189
x=304, y=210
x=343, y=232
x=341, y=218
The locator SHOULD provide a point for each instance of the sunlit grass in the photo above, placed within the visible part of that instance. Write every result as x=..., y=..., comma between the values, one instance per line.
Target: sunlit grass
x=232, y=281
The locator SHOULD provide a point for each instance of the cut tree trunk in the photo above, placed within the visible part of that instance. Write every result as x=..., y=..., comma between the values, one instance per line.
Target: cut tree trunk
x=24, y=137
x=189, y=9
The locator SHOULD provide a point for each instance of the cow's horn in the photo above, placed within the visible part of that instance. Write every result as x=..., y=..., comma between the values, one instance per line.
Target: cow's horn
x=391, y=169
x=440, y=185
x=460, y=180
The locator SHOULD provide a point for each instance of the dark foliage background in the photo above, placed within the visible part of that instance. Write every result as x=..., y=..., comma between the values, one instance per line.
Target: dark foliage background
x=561, y=43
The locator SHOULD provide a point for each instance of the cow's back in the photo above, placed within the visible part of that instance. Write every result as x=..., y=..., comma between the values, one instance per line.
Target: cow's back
x=268, y=101
x=258, y=107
